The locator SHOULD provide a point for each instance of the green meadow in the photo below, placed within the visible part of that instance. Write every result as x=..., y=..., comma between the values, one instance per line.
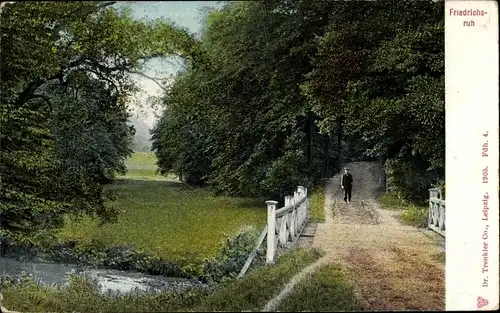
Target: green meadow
x=167, y=218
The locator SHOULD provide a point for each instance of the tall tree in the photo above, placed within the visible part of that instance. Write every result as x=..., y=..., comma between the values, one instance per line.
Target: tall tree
x=57, y=57
x=261, y=133
x=295, y=88
x=89, y=126
x=380, y=67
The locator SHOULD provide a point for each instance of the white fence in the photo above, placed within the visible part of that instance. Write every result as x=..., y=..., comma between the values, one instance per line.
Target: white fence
x=436, y=219
x=284, y=225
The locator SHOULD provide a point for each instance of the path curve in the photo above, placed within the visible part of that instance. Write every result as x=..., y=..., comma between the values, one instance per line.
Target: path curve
x=393, y=266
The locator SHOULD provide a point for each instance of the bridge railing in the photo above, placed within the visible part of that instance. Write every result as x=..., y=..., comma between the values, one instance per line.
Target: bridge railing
x=284, y=225
x=436, y=220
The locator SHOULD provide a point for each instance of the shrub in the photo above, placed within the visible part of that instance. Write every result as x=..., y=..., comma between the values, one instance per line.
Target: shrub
x=317, y=203
x=412, y=214
x=409, y=181
x=19, y=251
x=415, y=216
x=121, y=257
x=228, y=262
x=391, y=201
x=232, y=256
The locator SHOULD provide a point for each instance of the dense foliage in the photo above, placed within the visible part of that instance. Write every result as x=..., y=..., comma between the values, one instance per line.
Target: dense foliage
x=65, y=81
x=274, y=94
x=290, y=90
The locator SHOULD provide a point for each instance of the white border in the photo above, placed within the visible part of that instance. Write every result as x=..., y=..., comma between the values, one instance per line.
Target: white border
x=471, y=71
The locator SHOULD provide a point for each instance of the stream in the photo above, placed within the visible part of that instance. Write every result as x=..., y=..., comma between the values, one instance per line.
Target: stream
x=109, y=280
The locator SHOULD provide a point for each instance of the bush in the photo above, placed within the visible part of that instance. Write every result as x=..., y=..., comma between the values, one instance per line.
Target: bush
x=415, y=216
x=123, y=257
x=19, y=251
x=412, y=214
x=391, y=201
x=408, y=181
x=232, y=257
x=227, y=264
x=442, y=187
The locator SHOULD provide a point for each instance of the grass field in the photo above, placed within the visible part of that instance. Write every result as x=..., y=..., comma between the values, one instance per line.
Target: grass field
x=142, y=165
x=168, y=218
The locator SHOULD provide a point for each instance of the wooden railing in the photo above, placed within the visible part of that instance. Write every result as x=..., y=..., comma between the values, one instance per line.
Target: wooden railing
x=436, y=219
x=284, y=225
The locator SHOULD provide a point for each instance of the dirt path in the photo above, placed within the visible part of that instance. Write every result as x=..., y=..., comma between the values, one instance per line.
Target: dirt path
x=393, y=265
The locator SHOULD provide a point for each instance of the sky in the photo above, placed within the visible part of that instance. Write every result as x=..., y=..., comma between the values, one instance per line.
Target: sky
x=182, y=13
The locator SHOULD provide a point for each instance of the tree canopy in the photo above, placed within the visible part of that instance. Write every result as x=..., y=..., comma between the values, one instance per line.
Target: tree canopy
x=65, y=81
x=293, y=89
x=274, y=94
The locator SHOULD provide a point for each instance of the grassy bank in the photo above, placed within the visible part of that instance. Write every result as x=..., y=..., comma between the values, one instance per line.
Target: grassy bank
x=318, y=203
x=254, y=290
x=411, y=214
x=325, y=290
x=248, y=293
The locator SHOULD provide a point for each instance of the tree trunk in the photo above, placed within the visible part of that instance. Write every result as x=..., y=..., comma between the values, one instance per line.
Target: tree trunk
x=340, y=136
x=309, y=125
x=326, y=153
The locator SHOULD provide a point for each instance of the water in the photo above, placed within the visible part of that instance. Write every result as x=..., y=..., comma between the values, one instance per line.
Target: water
x=109, y=280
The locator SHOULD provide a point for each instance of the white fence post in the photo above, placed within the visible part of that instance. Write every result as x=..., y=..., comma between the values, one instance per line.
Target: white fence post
x=301, y=191
x=287, y=223
x=271, y=230
x=429, y=214
x=307, y=208
x=289, y=219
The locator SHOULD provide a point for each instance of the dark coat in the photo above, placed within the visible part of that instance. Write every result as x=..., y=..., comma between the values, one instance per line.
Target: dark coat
x=346, y=180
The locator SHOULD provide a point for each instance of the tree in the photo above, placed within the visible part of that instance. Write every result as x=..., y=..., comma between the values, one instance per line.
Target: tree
x=245, y=112
x=380, y=67
x=89, y=126
x=56, y=57
x=295, y=88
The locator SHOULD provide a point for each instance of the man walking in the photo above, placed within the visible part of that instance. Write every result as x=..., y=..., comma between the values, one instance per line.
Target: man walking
x=346, y=184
